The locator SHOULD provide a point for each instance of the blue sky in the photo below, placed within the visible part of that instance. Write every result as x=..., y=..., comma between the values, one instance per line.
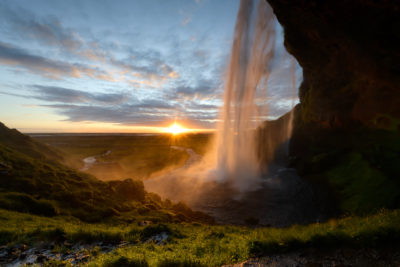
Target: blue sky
x=118, y=66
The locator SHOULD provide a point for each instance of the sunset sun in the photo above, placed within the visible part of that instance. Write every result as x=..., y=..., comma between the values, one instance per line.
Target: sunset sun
x=175, y=129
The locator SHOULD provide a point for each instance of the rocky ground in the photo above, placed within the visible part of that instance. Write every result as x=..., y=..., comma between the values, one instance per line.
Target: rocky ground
x=22, y=254
x=66, y=252
x=283, y=199
x=342, y=257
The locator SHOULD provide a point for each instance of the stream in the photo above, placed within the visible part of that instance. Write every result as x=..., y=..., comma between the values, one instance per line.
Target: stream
x=90, y=161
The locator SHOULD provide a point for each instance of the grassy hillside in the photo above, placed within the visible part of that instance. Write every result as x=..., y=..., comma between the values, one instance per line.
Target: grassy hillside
x=34, y=181
x=13, y=139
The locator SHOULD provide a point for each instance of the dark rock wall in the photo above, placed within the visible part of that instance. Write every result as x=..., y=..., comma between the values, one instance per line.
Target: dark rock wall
x=350, y=95
x=349, y=52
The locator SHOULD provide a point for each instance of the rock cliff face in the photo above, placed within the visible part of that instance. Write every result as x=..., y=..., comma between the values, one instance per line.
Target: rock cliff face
x=347, y=125
x=349, y=52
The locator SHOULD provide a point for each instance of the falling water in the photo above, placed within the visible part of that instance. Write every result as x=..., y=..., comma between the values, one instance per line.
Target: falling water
x=236, y=160
x=232, y=181
x=252, y=52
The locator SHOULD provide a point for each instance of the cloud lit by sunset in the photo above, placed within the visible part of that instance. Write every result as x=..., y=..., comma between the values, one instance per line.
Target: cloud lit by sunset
x=130, y=72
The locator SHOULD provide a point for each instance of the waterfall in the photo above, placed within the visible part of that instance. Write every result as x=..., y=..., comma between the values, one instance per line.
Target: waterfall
x=256, y=55
x=249, y=68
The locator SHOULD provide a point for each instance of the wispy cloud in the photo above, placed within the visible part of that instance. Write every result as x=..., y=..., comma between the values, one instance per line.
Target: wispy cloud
x=65, y=95
x=129, y=114
x=55, y=69
x=45, y=30
x=144, y=68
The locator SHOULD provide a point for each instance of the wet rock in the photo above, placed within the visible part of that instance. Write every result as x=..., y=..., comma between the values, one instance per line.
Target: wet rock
x=21, y=247
x=77, y=254
x=31, y=259
x=159, y=239
x=123, y=244
x=3, y=253
x=82, y=258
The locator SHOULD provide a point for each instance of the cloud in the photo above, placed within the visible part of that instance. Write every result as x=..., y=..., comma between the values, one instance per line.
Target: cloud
x=175, y=72
x=51, y=32
x=65, y=95
x=55, y=69
x=152, y=70
x=204, y=107
x=13, y=94
x=195, y=90
x=128, y=114
x=78, y=106
x=46, y=30
x=203, y=89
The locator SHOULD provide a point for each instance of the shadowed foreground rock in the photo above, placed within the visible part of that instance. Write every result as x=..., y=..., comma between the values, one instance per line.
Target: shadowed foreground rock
x=347, y=125
x=327, y=258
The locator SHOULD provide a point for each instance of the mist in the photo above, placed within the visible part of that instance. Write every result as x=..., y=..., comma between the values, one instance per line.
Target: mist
x=234, y=166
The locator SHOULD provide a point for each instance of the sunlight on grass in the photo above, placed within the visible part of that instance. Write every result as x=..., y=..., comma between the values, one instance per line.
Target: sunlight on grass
x=197, y=244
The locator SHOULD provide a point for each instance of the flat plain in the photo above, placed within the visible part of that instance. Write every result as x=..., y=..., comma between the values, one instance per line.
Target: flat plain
x=122, y=156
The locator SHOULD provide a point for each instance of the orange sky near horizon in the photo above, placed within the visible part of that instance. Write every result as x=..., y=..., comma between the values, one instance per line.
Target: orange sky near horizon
x=97, y=127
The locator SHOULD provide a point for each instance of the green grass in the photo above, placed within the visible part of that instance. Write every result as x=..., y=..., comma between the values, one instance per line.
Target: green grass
x=201, y=245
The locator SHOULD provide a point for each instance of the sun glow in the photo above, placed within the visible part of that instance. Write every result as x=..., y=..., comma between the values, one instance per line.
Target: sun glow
x=176, y=128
